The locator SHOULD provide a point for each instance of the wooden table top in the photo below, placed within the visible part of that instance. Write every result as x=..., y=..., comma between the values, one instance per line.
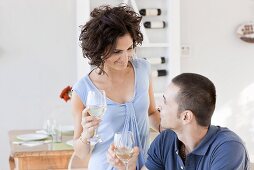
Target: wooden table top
x=46, y=149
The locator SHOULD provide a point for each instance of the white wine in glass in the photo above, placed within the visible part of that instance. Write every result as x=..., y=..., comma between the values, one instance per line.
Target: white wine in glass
x=124, y=144
x=97, y=111
x=124, y=154
x=96, y=102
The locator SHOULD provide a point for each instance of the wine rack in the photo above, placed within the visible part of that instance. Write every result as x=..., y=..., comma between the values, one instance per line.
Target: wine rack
x=150, y=11
x=161, y=45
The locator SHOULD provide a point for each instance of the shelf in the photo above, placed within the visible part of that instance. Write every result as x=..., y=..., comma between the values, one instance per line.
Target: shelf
x=154, y=45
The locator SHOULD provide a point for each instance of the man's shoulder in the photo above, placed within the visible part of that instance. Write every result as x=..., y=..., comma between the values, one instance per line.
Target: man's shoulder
x=223, y=150
x=225, y=139
x=226, y=135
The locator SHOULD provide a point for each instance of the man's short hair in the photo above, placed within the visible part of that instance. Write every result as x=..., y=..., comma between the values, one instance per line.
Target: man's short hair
x=197, y=94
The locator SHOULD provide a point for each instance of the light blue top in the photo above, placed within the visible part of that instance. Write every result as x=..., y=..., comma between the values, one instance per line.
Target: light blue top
x=132, y=116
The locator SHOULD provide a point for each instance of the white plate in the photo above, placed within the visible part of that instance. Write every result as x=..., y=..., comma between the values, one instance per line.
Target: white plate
x=32, y=136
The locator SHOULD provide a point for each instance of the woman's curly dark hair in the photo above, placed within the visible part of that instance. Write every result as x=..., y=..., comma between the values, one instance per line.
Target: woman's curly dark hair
x=98, y=36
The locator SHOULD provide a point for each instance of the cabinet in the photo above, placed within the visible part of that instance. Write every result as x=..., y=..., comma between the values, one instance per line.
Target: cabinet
x=157, y=42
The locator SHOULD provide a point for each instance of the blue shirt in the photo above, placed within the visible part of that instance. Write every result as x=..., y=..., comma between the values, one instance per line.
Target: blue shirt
x=219, y=149
x=129, y=116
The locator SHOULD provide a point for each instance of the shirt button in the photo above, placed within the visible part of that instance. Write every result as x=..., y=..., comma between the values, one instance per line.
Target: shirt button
x=181, y=167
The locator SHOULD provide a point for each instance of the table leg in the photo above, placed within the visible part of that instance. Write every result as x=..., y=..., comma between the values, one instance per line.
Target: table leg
x=11, y=163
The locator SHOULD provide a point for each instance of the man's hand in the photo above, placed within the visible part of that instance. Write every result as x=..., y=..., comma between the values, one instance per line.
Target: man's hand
x=117, y=163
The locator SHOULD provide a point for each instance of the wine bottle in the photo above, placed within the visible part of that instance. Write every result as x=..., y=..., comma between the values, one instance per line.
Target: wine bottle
x=150, y=12
x=159, y=60
x=154, y=24
x=159, y=73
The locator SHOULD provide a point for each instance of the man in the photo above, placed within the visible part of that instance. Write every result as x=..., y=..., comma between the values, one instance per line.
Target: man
x=190, y=141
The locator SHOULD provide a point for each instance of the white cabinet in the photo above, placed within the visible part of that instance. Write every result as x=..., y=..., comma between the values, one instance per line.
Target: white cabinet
x=163, y=42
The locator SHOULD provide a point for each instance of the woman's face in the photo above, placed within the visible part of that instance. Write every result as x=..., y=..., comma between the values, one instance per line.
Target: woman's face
x=121, y=55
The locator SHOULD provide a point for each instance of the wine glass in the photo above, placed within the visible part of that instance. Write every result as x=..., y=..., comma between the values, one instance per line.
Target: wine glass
x=96, y=102
x=124, y=143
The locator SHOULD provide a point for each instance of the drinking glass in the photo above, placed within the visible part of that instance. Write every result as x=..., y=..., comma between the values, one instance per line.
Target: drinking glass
x=47, y=126
x=96, y=102
x=53, y=129
x=124, y=143
x=56, y=132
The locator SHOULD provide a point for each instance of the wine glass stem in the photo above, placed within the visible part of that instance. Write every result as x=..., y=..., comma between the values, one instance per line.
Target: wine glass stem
x=126, y=165
x=95, y=132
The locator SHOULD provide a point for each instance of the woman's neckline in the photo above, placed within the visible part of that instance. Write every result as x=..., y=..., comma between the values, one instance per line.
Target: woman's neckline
x=134, y=94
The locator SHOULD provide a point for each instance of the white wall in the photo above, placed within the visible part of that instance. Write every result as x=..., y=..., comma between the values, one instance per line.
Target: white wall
x=208, y=27
x=37, y=60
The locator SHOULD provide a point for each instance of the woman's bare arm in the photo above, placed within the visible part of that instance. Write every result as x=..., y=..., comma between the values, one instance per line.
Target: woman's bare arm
x=83, y=127
x=154, y=114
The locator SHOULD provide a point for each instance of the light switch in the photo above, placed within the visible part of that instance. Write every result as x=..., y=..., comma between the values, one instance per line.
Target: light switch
x=185, y=50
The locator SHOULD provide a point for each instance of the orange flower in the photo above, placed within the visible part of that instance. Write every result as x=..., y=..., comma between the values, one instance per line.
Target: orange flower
x=66, y=93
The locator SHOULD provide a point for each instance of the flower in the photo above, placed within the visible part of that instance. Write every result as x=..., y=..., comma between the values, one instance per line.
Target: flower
x=66, y=93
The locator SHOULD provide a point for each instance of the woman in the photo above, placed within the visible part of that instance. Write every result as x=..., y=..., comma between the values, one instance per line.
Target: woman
x=108, y=41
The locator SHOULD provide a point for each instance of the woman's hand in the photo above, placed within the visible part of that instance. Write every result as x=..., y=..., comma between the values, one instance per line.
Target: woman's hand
x=89, y=124
x=117, y=163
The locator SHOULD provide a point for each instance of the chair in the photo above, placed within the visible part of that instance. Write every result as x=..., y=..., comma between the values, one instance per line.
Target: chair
x=75, y=163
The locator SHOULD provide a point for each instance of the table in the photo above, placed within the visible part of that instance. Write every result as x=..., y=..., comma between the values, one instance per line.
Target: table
x=42, y=157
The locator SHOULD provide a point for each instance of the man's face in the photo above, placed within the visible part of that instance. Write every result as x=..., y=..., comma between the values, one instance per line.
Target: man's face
x=169, y=109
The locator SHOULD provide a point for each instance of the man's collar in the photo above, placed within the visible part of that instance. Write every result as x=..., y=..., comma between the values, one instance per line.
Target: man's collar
x=202, y=147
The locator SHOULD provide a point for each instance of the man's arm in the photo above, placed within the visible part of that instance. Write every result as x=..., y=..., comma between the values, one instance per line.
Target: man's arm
x=229, y=155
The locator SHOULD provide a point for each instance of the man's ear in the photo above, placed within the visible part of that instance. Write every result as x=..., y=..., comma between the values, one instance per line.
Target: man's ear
x=187, y=116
